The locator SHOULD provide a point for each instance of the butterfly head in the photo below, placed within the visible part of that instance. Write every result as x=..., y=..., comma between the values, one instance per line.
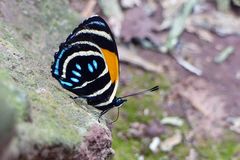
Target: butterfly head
x=118, y=101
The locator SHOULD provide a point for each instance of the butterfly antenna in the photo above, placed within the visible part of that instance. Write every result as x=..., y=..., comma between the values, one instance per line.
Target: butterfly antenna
x=155, y=88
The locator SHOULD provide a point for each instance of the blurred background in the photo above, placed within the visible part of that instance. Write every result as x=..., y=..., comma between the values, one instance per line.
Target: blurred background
x=190, y=48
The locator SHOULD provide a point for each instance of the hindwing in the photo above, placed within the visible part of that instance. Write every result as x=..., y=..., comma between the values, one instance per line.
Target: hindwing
x=87, y=63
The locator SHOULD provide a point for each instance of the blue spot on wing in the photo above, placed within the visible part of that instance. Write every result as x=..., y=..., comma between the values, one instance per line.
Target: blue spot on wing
x=78, y=67
x=76, y=73
x=57, y=62
x=90, y=68
x=66, y=83
x=97, y=23
x=95, y=64
x=74, y=80
x=56, y=72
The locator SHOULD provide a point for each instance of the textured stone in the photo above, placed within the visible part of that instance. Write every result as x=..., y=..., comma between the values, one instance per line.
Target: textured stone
x=48, y=124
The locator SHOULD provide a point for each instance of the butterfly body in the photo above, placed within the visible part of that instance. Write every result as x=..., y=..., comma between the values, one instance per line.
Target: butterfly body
x=87, y=64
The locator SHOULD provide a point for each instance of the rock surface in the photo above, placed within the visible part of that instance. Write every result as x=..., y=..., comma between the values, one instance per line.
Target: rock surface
x=43, y=122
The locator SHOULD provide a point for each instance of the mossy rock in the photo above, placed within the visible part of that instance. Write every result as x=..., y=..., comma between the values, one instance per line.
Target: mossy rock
x=48, y=124
x=7, y=117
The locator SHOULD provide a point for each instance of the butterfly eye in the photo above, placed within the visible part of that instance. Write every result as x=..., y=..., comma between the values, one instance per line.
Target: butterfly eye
x=119, y=101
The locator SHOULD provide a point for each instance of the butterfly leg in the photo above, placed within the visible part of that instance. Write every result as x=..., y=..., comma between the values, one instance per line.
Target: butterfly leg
x=74, y=97
x=117, y=116
x=102, y=113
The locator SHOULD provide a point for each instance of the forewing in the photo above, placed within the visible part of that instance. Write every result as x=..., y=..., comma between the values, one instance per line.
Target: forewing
x=87, y=62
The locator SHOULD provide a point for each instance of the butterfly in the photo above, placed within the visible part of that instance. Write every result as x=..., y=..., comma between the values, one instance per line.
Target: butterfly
x=87, y=64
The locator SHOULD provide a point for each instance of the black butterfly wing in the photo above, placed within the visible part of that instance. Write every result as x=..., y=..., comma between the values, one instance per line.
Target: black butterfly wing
x=98, y=32
x=87, y=63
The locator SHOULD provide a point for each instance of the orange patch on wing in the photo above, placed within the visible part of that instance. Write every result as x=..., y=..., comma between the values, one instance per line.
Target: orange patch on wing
x=112, y=63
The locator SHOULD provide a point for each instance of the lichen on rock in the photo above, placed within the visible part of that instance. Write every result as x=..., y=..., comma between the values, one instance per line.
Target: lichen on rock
x=47, y=124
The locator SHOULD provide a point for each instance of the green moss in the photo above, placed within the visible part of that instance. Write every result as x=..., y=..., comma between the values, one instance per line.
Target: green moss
x=135, y=105
x=57, y=18
x=7, y=112
x=132, y=111
x=129, y=148
x=181, y=151
x=8, y=39
x=15, y=97
x=224, y=149
x=45, y=114
x=126, y=151
x=52, y=124
x=148, y=80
